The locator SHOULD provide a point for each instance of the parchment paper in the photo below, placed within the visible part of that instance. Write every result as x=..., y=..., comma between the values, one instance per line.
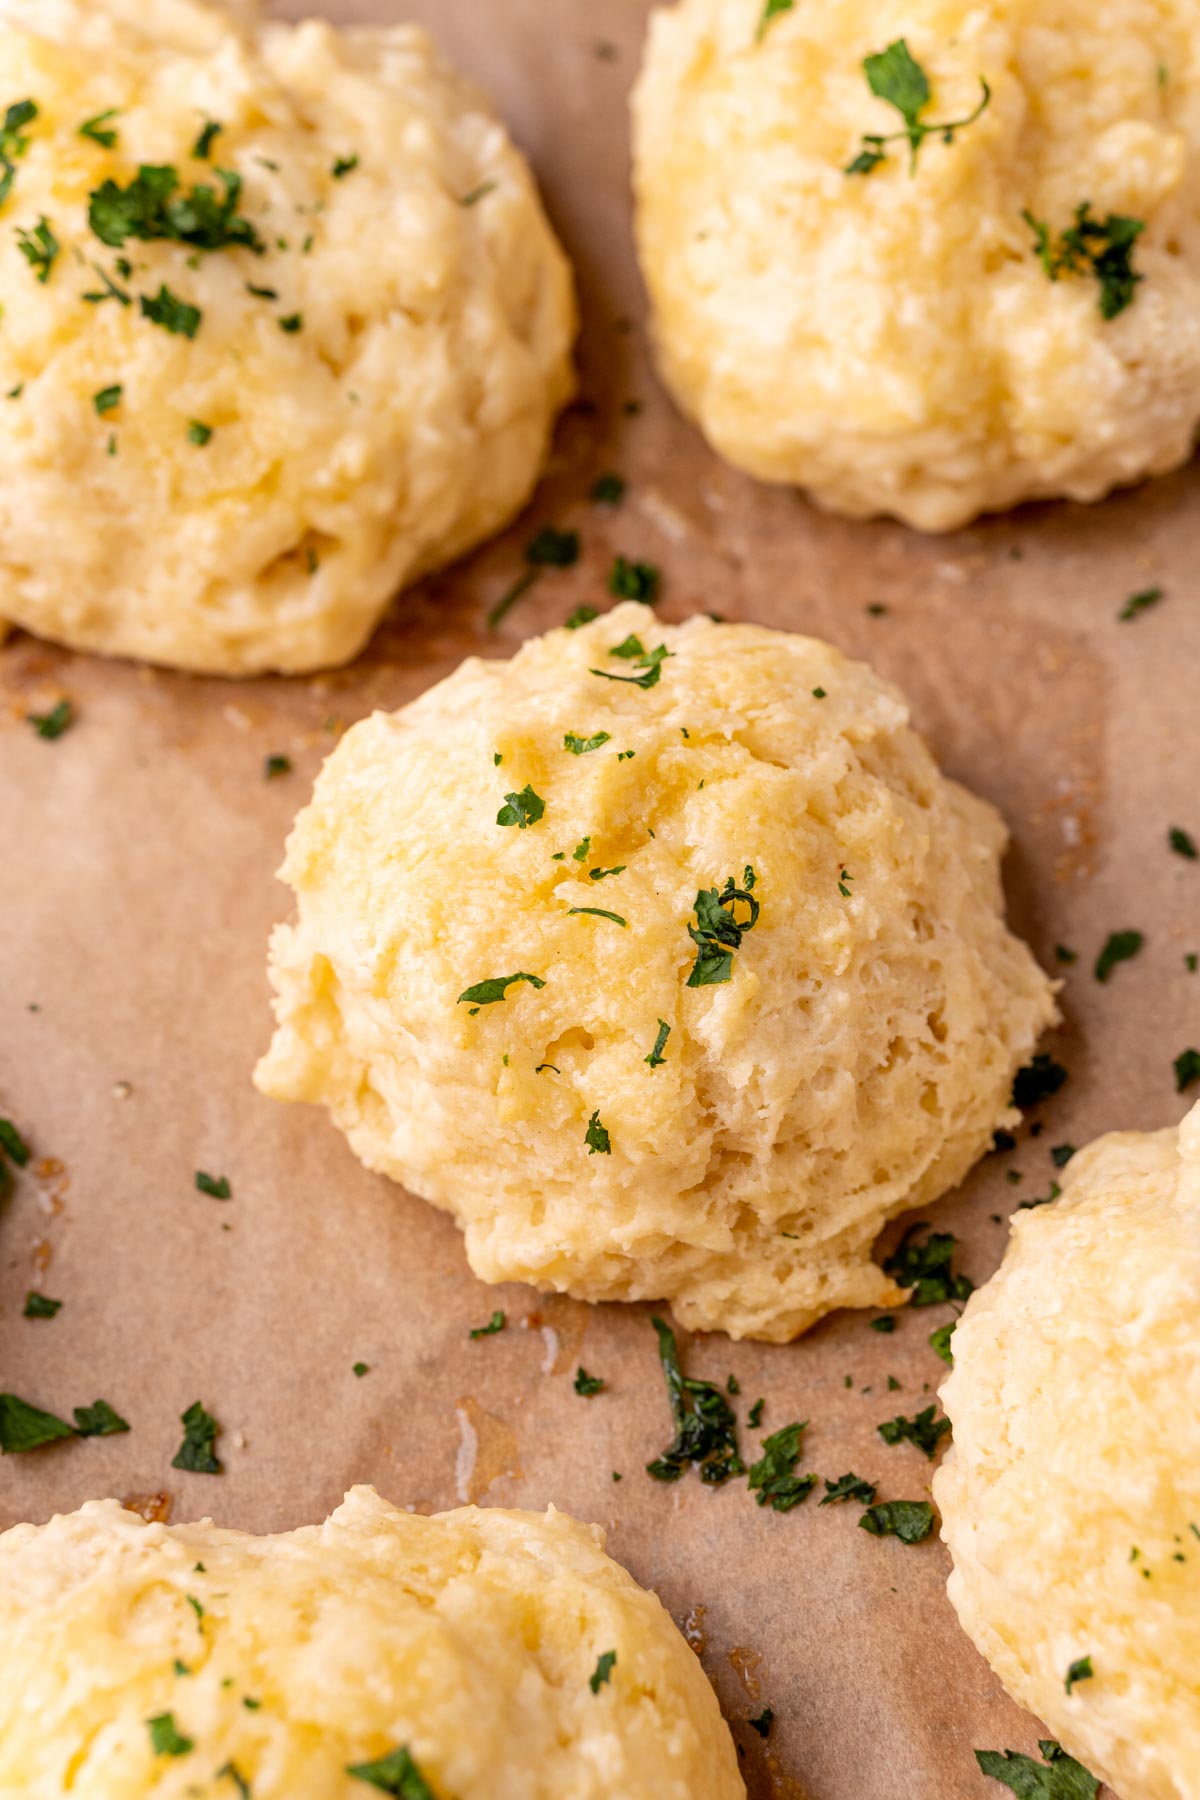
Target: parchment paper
x=138, y=892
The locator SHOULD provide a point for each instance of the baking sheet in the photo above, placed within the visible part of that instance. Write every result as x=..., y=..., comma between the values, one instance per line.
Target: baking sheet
x=138, y=893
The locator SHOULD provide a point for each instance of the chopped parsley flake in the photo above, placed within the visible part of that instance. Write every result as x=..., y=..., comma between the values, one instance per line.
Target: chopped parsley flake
x=717, y=932
x=598, y=912
x=1187, y=1070
x=634, y=581
x=39, y=1306
x=13, y=142
x=885, y=1323
x=583, y=615
x=579, y=746
x=13, y=1144
x=99, y=1420
x=52, y=724
x=939, y=1341
x=153, y=207
x=174, y=315
x=656, y=1057
x=909, y=1520
x=705, y=1423
x=522, y=810
x=773, y=1477
x=165, y=1737
x=848, y=1487
x=1080, y=1670
x=108, y=399
x=754, y=1416
x=486, y=993
x=196, y=1453
x=581, y=849
x=275, y=766
x=1182, y=843
x=478, y=193
x=1102, y=248
x=496, y=1323
x=344, y=166
x=771, y=10
x=39, y=247
x=587, y=1385
x=895, y=76
x=602, y=1673
x=360, y=1369
x=99, y=130
x=230, y=1772
x=1140, y=602
x=24, y=1427
x=553, y=549
x=926, y=1268
x=649, y=660
x=1061, y=1154
x=215, y=1186
x=1062, y=1778
x=395, y=1773
x=1038, y=1080
x=293, y=323
x=923, y=1430
x=1120, y=947
x=204, y=143
x=607, y=490
x=198, y=432
x=596, y=1138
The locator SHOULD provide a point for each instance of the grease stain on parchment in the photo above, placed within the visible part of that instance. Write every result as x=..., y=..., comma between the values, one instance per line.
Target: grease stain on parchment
x=563, y=1323
x=487, y=1451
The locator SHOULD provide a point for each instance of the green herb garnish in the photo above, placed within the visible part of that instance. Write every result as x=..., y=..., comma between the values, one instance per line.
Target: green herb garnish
x=165, y=1738
x=607, y=490
x=204, y=143
x=174, y=315
x=634, y=581
x=198, y=432
x=1099, y=247
x=496, y=1323
x=196, y=1453
x=99, y=1420
x=656, y=1057
x=598, y=912
x=39, y=1306
x=395, y=1773
x=486, y=993
x=717, y=932
x=909, y=1520
x=275, y=766
x=1062, y=1779
x=553, y=549
x=1120, y=947
x=587, y=1385
x=923, y=1430
x=522, y=810
x=99, y=130
x=1141, y=602
x=52, y=724
x=773, y=1477
x=24, y=1427
x=848, y=1487
x=153, y=206
x=583, y=615
x=343, y=167
x=13, y=1144
x=926, y=1268
x=1038, y=1080
x=705, y=1423
x=1182, y=843
x=1187, y=1070
x=939, y=1341
x=602, y=1673
x=108, y=399
x=215, y=1186
x=771, y=10
x=39, y=247
x=13, y=142
x=579, y=746
x=596, y=1137
x=1080, y=1670
x=895, y=76
x=649, y=660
